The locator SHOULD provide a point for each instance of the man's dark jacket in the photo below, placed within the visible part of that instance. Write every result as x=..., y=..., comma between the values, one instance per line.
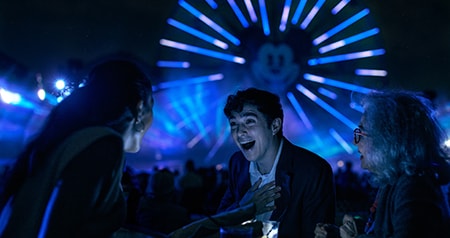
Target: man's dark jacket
x=307, y=190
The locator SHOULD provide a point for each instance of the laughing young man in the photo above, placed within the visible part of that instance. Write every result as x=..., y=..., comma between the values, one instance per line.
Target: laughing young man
x=306, y=180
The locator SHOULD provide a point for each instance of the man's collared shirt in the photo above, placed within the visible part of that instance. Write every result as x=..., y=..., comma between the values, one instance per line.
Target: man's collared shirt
x=266, y=178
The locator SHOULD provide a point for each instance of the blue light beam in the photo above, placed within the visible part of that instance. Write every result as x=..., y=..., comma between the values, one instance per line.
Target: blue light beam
x=337, y=84
x=326, y=107
x=345, y=57
x=264, y=17
x=327, y=93
x=349, y=40
x=251, y=10
x=298, y=12
x=336, y=9
x=220, y=141
x=197, y=33
x=194, y=141
x=189, y=81
x=190, y=113
x=371, y=72
x=212, y=4
x=285, y=15
x=173, y=64
x=312, y=14
x=341, y=26
x=300, y=112
x=209, y=22
x=15, y=99
x=341, y=141
x=238, y=13
x=202, y=51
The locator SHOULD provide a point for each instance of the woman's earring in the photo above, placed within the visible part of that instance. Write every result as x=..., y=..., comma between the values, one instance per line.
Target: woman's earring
x=139, y=126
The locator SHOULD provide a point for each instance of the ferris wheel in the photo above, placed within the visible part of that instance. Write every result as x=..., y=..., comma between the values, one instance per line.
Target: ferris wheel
x=316, y=55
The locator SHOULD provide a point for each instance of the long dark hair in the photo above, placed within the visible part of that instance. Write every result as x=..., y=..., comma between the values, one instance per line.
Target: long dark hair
x=113, y=89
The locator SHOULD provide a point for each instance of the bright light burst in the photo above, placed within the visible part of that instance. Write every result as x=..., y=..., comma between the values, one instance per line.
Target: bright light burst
x=343, y=55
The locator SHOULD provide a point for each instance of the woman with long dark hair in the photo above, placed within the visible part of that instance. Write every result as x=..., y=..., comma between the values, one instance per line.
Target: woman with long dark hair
x=66, y=182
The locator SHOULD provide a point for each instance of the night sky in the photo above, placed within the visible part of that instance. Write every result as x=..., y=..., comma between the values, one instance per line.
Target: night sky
x=44, y=36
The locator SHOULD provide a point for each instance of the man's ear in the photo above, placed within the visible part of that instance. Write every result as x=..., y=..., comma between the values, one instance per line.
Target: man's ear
x=139, y=110
x=276, y=125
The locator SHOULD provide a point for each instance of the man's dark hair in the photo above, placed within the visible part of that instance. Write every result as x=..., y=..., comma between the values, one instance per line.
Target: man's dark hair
x=266, y=102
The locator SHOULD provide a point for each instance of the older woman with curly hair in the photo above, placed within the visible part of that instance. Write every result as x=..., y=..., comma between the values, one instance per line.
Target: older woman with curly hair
x=402, y=145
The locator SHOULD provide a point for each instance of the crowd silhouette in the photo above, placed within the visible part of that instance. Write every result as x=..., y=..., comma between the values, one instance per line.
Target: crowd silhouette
x=163, y=200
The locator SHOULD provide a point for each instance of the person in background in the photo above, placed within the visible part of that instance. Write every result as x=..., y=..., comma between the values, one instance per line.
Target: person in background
x=401, y=144
x=159, y=209
x=66, y=182
x=191, y=186
x=304, y=179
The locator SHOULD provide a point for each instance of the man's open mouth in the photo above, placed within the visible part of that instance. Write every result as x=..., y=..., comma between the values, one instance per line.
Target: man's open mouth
x=248, y=145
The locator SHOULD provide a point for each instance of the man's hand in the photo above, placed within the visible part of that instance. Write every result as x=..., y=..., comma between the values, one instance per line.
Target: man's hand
x=261, y=196
x=324, y=230
x=348, y=228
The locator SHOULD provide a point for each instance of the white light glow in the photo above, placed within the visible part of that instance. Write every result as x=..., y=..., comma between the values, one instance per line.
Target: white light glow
x=41, y=94
x=60, y=84
x=251, y=10
x=447, y=143
x=9, y=97
x=341, y=141
x=371, y=72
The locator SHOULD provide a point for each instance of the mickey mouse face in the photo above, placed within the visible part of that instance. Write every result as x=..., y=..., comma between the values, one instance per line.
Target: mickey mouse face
x=275, y=65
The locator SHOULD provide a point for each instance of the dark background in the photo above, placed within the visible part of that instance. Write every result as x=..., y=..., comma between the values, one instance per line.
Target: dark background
x=43, y=35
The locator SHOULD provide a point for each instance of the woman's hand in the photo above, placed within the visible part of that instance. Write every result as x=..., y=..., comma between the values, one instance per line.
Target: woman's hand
x=261, y=197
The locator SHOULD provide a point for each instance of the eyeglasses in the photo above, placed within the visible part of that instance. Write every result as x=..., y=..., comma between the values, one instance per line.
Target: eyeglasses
x=357, y=134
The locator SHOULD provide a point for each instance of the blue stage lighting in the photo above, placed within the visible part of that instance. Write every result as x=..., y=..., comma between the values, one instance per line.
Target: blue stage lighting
x=371, y=72
x=298, y=12
x=197, y=33
x=339, y=6
x=301, y=113
x=341, y=26
x=264, y=17
x=327, y=93
x=9, y=97
x=312, y=14
x=212, y=4
x=202, y=51
x=238, y=13
x=60, y=84
x=209, y=22
x=348, y=40
x=173, y=64
x=41, y=94
x=198, y=126
x=345, y=57
x=251, y=10
x=337, y=84
x=285, y=15
x=341, y=141
x=326, y=107
x=188, y=81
